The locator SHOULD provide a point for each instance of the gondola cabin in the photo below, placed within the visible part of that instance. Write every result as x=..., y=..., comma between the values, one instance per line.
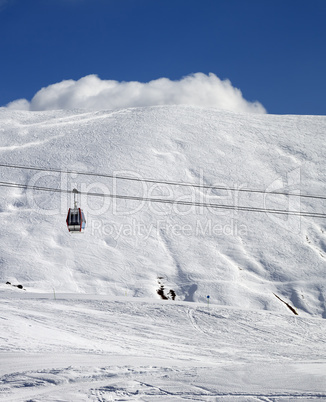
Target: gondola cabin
x=76, y=221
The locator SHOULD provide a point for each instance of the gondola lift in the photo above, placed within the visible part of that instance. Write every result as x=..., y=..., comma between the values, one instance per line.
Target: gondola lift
x=76, y=221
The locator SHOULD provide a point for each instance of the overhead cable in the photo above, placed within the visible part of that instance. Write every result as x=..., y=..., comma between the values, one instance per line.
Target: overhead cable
x=165, y=182
x=169, y=201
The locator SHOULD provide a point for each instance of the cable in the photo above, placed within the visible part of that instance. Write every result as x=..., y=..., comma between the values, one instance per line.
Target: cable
x=168, y=201
x=172, y=183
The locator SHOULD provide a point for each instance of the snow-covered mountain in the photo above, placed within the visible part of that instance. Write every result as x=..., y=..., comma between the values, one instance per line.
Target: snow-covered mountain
x=239, y=258
x=247, y=262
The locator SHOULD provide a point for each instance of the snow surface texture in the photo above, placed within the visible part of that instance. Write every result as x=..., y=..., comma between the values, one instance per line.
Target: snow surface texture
x=110, y=336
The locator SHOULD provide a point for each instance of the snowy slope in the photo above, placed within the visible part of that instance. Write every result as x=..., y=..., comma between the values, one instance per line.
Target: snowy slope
x=89, y=324
x=81, y=348
x=238, y=258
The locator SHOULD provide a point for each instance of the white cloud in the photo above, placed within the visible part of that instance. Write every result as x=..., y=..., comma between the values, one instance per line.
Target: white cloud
x=92, y=93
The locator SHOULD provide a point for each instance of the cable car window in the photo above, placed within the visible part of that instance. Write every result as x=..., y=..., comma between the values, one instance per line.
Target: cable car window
x=74, y=219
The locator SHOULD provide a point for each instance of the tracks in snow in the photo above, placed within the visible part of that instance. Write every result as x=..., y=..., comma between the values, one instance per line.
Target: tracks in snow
x=145, y=383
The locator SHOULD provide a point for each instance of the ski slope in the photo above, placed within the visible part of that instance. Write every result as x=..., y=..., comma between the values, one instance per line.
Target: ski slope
x=81, y=348
x=89, y=324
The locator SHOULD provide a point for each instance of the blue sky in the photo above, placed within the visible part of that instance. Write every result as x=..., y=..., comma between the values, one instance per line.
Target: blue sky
x=274, y=51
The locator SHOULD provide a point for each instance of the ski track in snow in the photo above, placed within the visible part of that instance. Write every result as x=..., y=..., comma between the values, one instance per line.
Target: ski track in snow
x=145, y=384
